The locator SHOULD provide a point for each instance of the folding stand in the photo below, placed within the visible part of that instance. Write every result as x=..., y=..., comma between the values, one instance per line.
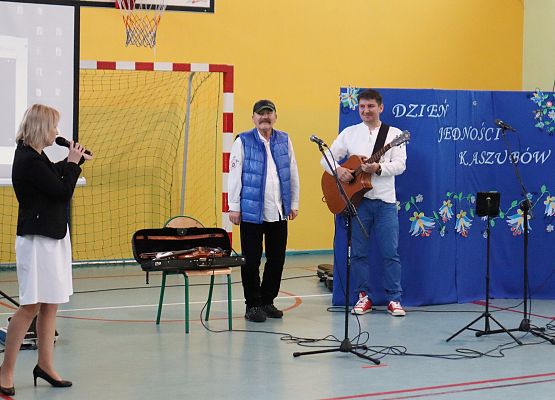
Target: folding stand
x=487, y=204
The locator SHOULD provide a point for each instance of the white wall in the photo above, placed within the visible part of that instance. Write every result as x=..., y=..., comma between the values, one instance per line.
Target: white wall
x=539, y=45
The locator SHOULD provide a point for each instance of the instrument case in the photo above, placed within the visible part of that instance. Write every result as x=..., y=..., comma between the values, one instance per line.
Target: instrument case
x=164, y=249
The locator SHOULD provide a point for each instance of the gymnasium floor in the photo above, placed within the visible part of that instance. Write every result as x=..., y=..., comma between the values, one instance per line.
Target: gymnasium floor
x=111, y=348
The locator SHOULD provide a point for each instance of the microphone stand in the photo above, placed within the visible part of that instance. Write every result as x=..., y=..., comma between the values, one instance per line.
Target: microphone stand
x=350, y=212
x=525, y=206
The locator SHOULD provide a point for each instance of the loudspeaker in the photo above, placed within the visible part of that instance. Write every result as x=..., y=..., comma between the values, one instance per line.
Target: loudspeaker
x=487, y=204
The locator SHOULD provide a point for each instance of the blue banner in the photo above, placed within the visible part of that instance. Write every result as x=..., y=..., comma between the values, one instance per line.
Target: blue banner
x=456, y=150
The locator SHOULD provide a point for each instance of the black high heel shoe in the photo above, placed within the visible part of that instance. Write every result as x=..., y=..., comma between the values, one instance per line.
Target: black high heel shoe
x=38, y=372
x=7, y=391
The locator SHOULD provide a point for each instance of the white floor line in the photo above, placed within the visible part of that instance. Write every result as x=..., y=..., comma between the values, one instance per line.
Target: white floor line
x=70, y=310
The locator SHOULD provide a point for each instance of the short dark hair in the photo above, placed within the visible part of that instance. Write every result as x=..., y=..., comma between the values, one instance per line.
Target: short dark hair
x=370, y=94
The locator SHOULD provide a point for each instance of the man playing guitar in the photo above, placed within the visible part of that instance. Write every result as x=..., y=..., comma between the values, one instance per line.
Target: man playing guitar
x=377, y=209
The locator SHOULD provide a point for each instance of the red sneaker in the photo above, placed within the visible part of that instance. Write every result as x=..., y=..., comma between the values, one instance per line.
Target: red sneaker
x=395, y=309
x=363, y=305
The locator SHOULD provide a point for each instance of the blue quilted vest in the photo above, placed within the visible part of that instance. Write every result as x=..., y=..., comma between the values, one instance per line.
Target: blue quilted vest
x=254, y=174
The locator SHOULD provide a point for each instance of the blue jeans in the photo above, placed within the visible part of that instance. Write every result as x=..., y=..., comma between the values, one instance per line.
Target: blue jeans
x=382, y=220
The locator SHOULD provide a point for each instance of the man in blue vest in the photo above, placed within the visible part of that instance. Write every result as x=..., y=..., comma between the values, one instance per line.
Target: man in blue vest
x=263, y=193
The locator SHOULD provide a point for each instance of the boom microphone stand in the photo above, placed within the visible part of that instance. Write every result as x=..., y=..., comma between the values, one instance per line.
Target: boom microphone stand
x=491, y=200
x=346, y=345
x=525, y=206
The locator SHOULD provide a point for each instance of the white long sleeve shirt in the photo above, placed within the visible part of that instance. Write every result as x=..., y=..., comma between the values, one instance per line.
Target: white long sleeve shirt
x=273, y=206
x=359, y=140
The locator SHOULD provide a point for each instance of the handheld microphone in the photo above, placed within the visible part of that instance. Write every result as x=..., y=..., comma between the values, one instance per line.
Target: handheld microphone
x=62, y=141
x=504, y=125
x=317, y=140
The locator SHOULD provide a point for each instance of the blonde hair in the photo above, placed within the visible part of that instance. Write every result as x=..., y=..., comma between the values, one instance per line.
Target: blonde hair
x=37, y=122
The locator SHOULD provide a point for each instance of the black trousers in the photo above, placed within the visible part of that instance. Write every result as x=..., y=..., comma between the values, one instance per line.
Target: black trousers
x=275, y=243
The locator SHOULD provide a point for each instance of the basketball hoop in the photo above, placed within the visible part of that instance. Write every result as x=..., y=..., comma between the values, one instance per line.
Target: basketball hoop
x=141, y=19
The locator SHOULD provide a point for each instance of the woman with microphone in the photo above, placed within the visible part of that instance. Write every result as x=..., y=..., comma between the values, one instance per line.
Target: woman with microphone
x=43, y=248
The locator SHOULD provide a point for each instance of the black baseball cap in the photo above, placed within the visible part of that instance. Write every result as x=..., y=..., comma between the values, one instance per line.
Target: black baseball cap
x=263, y=105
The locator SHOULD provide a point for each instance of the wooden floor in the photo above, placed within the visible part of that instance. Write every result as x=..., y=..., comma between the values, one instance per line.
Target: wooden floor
x=111, y=348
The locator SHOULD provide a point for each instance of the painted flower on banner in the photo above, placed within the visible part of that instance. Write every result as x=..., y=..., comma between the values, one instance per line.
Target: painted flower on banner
x=349, y=98
x=516, y=222
x=463, y=223
x=419, y=198
x=446, y=210
x=549, y=228
x=421, y=225
x=549, y=206
x=538, y=97
x=545, y=114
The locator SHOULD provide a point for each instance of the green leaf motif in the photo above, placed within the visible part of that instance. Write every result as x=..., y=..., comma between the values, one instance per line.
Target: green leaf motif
x=514, y=203
x=492, y=222
x=501, y=214
x=407, y=206
x=543, y=188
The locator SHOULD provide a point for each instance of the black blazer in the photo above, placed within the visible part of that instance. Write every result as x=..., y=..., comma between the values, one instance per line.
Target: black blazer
x=43, y=190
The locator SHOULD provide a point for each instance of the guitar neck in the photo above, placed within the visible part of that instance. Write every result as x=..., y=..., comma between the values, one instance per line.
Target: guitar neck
x=377, y=155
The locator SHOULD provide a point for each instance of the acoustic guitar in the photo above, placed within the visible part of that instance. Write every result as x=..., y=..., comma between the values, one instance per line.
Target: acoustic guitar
x=361, y=182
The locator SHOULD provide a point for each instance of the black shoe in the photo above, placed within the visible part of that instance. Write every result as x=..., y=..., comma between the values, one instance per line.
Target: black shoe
x=255, y=314
x=8, y=391
x=271, y=311
x=38, y=372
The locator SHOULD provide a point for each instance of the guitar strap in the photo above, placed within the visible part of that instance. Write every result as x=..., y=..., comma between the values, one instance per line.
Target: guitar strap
x=380, y=140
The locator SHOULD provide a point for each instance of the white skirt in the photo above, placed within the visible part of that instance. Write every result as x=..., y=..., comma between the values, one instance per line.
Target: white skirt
x=43, y=269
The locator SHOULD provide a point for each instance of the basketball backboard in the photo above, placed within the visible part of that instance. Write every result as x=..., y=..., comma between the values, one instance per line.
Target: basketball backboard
x=172, y=5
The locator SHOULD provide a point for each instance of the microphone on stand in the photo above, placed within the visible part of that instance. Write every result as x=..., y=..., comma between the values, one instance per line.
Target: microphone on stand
x=504, y=125
x=62, y=141
x=317, y=140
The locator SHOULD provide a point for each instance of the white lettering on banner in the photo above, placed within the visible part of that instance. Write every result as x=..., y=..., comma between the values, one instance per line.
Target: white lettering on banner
x=471, y=133
x=502, y=157
x=420, y=110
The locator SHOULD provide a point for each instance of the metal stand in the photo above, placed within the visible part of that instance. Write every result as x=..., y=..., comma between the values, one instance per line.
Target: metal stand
x=525, y=206
x=15, y=303
x=486, y=314
x=346, y=345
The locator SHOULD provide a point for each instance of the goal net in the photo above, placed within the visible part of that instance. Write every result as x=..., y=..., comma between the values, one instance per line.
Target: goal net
x=155, y=131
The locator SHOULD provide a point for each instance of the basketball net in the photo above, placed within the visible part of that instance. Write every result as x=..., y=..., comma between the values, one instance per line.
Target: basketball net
x=141, y=19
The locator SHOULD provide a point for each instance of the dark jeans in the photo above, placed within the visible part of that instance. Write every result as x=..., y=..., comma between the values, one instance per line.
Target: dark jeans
x=275, y=242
